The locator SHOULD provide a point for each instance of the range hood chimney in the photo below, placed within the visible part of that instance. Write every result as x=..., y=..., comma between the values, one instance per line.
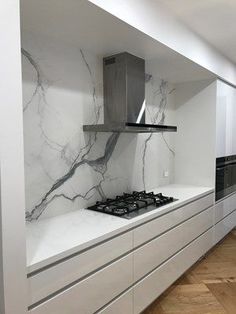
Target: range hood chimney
x=124, y=97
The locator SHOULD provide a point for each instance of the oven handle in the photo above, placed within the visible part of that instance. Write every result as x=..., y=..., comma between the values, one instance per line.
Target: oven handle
x=222, y=168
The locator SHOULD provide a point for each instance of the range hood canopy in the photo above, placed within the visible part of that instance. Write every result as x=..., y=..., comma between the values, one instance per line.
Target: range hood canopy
x=124, y=97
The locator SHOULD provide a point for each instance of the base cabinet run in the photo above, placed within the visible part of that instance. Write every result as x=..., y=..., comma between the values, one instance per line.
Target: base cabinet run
x=92, y=293
x=159, y=250
x=223, y=227
x=160, y=279
x=122, y=305
x=129, y=283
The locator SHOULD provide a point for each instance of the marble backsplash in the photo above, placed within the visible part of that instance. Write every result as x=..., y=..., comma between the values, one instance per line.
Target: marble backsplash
x=67, y=169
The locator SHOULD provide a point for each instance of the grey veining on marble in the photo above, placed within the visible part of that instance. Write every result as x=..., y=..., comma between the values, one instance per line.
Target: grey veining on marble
x=66, y=169
x=156, y=117
x=39, y=84
x=99, y=164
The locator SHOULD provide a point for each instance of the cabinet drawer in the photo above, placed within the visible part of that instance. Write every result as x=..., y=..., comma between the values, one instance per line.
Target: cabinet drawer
x=148, y=289
x=122, y=305
x=92, y=293
x=161, y=224
x=55, y=278
x=225, y=207
x=157, y=251
x=223, y=227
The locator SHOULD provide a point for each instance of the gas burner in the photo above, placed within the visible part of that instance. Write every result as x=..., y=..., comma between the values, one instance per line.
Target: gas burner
x=131, y=205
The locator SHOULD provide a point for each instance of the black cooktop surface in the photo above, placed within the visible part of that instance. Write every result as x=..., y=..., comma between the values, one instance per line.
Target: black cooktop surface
x=132, y=205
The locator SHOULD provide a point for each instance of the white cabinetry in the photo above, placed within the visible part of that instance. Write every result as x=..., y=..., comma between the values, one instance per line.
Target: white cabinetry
x=122, y=305
x=126, y=273
x=160, y=279
x=225, y=120
x=225, y=216
x=225, y=207
x=223, y=227
x=93, y=292
x=58, y=276
x=157, y=226
x=157, y=251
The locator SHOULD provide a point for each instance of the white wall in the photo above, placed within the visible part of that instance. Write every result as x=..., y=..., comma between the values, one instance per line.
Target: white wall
x=195, y=140
x=151, y=18
x=12, y=228
x=225, y=120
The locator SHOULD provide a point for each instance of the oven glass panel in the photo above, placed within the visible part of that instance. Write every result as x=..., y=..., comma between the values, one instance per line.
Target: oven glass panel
x=225, y=176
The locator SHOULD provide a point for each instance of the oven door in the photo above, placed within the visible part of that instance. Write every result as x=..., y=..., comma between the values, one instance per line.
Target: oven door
x=225, y=176
x=223, y=181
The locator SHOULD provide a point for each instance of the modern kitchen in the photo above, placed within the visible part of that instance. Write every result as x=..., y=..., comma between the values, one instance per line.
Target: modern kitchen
x=118, y=154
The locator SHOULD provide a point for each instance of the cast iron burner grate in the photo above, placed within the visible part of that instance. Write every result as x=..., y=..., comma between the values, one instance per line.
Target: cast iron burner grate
x=131, y=205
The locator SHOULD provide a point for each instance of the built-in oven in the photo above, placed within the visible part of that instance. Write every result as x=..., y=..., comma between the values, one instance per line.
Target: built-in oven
x=225, y=176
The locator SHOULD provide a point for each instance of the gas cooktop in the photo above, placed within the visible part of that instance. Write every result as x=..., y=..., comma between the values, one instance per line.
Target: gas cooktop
x=132, y=205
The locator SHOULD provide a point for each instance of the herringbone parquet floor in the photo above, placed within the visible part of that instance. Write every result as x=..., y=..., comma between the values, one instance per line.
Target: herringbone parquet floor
x=209, y=287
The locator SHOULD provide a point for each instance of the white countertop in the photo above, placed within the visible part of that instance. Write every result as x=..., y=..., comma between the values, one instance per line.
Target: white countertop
x=52, y=239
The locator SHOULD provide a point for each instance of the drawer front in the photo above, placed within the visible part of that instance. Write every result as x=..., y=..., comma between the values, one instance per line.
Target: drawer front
x=223, y=227
x=161, y=224
x=225, y=207
x=157, y=251
x=54, y=278
x=89, y=295
x=148, y=289
x=122, y=305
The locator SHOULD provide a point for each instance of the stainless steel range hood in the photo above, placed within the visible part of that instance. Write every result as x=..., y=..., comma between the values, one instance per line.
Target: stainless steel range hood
x=124, y=97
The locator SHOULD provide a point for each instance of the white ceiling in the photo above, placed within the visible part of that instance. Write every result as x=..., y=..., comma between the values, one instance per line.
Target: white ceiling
x=82, y=24
x=213, y=20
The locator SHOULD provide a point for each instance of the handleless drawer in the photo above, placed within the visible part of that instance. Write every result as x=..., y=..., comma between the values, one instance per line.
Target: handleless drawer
x=50, y=280
x=225, y=207
x=161, y=224
x=148, y=289
x=92, y=293
x=122, y=305
x=151, y=255
x=223, y=227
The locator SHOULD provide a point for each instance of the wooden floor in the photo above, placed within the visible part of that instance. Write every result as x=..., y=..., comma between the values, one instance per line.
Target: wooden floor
x=209, y=287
